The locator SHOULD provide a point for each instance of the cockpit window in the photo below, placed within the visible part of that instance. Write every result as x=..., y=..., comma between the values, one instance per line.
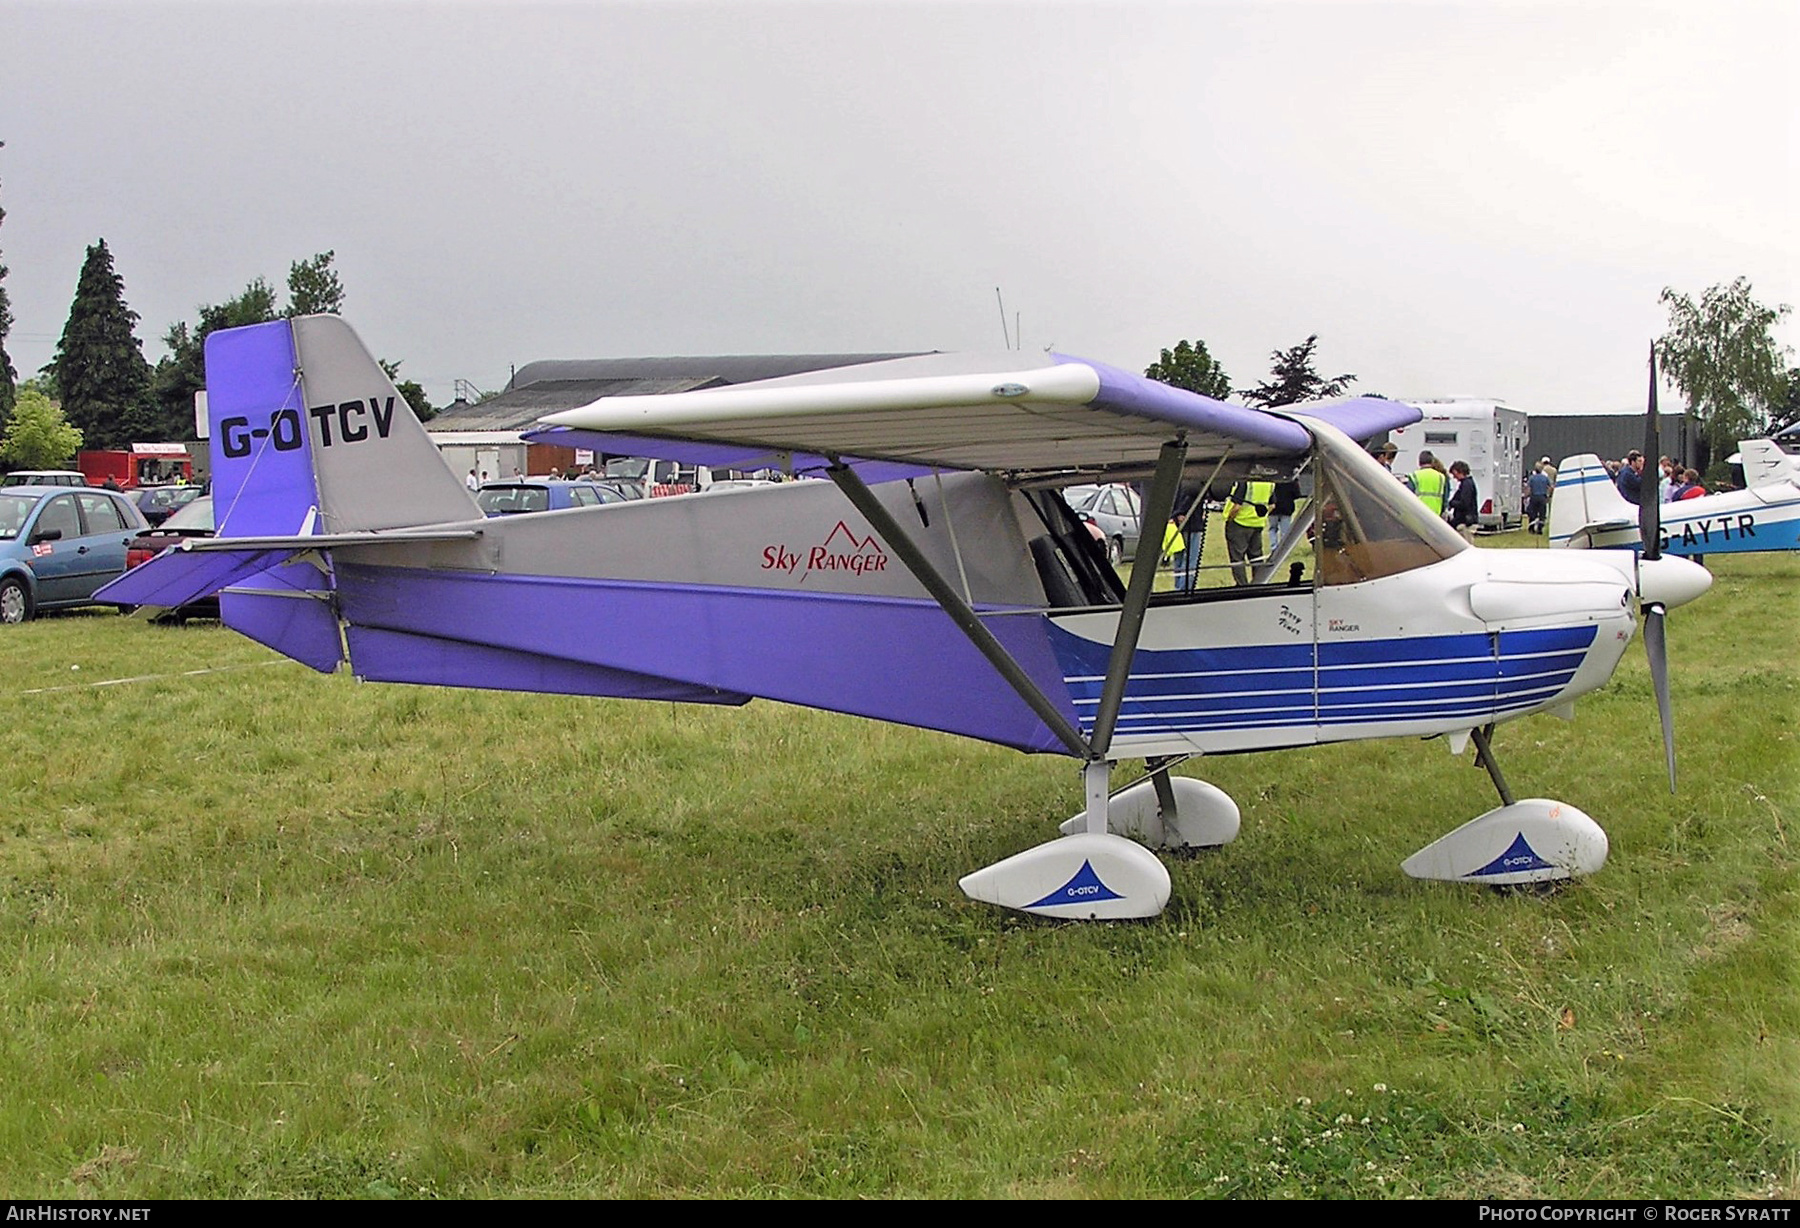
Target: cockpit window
x=1368, y=525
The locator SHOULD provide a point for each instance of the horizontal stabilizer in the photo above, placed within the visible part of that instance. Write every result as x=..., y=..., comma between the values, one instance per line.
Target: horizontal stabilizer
x=178, y=577
x=322, y=541
x=197, y=567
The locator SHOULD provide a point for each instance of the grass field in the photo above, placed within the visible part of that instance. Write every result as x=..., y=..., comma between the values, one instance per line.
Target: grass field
x=267, y=934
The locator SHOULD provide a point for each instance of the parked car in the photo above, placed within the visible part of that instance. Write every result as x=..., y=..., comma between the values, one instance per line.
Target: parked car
x=522, y=495
x=1114, y=511
x=58, y=545
x=44, y=477
x=720, y=485
x=157, y=502
x=193, y=520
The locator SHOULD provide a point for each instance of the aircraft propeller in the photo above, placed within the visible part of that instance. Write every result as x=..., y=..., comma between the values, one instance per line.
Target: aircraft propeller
x=1656, y=648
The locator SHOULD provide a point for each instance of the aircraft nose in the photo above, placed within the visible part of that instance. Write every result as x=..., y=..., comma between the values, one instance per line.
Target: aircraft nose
x=1672, y=581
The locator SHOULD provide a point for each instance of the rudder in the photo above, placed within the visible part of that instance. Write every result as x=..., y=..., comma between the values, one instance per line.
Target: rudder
x=1586, y=499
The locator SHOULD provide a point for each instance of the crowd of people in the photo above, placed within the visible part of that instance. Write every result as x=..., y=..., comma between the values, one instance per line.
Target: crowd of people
x=1449, y=493
x=1256, y=507
x=1674, y=483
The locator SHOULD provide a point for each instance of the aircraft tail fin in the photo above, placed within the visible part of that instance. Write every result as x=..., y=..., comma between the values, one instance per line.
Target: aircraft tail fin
x=1764, y=462
x=309, y=435
x=310, y=439
x=1586, y=509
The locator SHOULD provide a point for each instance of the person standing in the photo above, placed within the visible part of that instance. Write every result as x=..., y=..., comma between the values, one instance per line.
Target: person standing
x=1281, y=510
x=1537, y=499
x=1174, y=550
x=1631, y=478
x=1246, y=515
x=1384, y=456
x=1462, y=513
x=1430, y=483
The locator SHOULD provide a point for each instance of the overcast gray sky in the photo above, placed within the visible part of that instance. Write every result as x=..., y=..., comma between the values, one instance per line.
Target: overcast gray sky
x=1480, y=197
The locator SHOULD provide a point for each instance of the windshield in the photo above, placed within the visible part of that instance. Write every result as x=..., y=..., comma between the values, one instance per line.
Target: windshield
x=512, y=500
x=1368, y=525
x=168, y=496
x=13, y=510
x=197, y=515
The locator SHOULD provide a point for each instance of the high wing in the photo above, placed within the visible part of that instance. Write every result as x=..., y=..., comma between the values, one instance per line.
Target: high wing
x=1056, y=417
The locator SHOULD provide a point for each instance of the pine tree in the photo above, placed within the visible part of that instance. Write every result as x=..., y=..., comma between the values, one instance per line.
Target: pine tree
x=8, y=375
x=314, y=288
x=99, y=365
x=1294, y=380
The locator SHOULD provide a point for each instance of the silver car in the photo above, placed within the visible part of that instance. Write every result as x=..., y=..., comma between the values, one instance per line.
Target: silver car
x=1114, y=511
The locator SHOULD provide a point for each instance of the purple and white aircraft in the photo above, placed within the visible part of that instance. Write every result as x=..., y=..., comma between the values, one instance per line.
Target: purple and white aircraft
x=937, y=580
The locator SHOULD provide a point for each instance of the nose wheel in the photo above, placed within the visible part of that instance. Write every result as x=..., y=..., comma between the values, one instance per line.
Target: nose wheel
x=1538, y=840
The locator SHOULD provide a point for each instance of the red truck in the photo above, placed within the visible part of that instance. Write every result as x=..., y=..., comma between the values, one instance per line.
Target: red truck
x=143, y=464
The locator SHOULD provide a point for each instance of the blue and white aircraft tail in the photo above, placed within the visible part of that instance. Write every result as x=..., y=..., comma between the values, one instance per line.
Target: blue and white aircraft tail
x=1764, y=461
x=1587, y=510
x=936, y=580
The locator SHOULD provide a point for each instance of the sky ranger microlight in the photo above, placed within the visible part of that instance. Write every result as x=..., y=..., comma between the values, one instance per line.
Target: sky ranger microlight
x=937, y=579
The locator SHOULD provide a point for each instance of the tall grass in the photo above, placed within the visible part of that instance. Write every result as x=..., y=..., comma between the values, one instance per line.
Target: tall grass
x=268, y=933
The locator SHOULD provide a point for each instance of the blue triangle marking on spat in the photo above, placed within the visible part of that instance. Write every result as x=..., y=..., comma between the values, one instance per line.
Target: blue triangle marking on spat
x=1084, y=888
x=1518, y=856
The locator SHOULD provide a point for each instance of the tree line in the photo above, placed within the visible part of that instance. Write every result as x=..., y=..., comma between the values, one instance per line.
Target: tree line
x=99, y=391
x=113, y=396
x=1720, y=351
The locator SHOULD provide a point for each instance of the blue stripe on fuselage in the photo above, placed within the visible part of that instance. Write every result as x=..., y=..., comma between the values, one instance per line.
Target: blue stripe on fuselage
x=1395, y=679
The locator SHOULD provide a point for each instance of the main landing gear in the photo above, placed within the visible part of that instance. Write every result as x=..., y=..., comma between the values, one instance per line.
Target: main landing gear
x=1532, y=841
x=1098, y=871
x=1101, y=869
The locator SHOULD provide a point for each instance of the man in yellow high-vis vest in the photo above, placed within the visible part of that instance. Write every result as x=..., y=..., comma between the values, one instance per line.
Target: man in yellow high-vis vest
x=1431, y=483
x=1246, y=512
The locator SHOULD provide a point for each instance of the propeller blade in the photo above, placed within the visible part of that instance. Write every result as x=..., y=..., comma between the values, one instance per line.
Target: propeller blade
x=1650, y=493
x=1656, y=648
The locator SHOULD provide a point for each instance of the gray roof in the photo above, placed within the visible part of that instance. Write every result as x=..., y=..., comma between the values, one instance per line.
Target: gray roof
x=544, y=387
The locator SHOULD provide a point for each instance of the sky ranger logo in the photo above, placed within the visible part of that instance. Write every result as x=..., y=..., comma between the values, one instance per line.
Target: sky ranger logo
x=841, y=550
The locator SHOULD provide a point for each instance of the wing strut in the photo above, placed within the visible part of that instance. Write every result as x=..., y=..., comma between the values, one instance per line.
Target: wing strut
x=859, y=494
x=1152, y=526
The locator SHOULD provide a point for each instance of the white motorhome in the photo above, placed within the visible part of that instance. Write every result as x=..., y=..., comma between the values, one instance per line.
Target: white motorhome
x=1489, y=435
